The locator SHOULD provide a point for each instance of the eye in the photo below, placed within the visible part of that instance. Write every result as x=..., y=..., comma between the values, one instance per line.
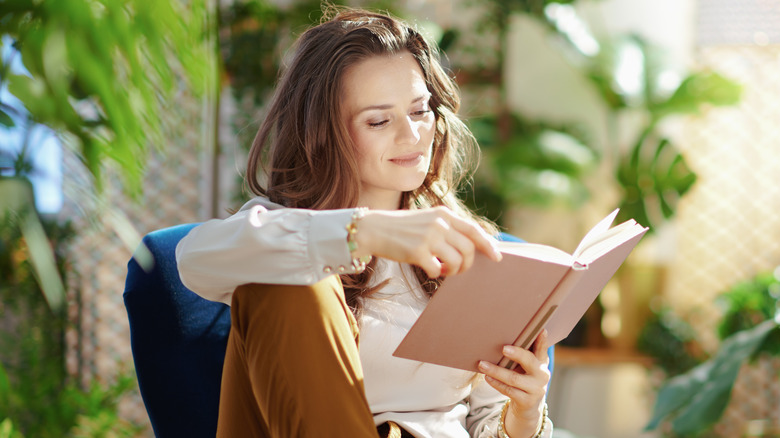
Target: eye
x=420, y=113
x=378, y=124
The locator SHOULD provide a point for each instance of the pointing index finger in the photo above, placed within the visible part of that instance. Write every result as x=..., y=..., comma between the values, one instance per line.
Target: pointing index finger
x=482, y=241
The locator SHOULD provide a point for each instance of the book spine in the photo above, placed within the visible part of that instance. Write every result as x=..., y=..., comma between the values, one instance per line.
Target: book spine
x=536, y=325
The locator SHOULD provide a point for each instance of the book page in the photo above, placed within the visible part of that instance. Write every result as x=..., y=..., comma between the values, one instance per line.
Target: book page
x=594, y=234
x=610, y=240
x=592, y=281
x=537, y=251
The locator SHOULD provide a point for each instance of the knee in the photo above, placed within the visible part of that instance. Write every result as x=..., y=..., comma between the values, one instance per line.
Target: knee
x=282, y=296
x=288, y=304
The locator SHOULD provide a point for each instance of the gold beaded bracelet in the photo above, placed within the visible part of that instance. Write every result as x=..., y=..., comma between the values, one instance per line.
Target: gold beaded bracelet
x=501, y=433
x=358, y=263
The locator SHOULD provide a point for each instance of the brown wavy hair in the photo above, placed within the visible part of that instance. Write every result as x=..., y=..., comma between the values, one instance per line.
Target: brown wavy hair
x=303, y=150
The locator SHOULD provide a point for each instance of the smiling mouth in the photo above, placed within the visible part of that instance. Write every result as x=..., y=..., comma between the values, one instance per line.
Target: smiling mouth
x=408, y=160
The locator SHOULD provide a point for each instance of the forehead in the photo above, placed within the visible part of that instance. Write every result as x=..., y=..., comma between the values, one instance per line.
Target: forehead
x=394, y=79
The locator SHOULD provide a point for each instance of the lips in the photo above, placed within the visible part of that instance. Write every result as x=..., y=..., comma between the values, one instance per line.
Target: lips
x=408, y=160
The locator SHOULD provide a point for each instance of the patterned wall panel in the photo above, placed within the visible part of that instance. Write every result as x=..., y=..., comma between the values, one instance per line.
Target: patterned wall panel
x=728, y=226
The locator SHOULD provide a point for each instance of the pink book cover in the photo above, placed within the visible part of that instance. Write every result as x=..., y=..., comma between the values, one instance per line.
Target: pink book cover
x=474, y=314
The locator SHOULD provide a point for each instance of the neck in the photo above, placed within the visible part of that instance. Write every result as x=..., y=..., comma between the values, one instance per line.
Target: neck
x=388, y=201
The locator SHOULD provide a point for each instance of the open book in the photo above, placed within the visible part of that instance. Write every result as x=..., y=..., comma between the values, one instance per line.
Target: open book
x=474, y=314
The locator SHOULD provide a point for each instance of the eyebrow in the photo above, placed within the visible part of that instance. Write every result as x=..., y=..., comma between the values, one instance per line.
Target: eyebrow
x=388, y=106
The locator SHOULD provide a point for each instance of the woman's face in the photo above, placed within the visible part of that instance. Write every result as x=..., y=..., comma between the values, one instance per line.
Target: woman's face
x=386, y=106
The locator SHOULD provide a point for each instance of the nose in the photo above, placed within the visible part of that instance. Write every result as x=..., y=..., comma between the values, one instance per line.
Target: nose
x=408, y=131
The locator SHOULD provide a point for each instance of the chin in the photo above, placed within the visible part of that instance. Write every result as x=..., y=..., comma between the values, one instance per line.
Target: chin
x=413, y=185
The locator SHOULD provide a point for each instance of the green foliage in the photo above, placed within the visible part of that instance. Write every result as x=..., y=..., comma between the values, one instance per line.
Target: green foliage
x=653, y=178
x=670, y=341
x=695, y=400
x=697, y=90
x=66, y=410
x=102, y=73
x=499, y=11
x=102, y=70
x=37, y=398
x=7, y=429
x=537, y=164
x=19, y=217
x=749, y=303
x=250, y=49
x=256, y=34
x=652, y=173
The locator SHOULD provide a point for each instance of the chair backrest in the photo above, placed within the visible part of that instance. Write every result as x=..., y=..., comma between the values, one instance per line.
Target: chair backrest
x=178, y=341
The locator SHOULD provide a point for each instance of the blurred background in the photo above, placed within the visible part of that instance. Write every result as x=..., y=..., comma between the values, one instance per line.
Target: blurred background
x=119, y=117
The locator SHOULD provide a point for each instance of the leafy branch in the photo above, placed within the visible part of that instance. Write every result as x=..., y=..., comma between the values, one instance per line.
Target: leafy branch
x=102, y=72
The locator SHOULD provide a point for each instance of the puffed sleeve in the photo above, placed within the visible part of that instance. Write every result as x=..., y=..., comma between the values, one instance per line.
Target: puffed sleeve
x=485, y=404
x=259, y=244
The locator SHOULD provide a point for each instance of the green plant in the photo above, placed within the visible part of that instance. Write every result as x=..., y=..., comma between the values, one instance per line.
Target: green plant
x=670, y=341
x=102, y=72
x=37, y=397
x=748, y=304
x=650, y=172
x=17, y=212
x=533, y=164
x=526, y=162
x=695, y=400
x=7, y=429
x=68, y=411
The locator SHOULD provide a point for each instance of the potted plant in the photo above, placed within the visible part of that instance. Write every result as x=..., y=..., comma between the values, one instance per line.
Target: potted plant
x=693, y=401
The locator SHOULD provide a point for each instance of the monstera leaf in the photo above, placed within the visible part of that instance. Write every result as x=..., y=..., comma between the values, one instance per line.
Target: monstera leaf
x=653, y=177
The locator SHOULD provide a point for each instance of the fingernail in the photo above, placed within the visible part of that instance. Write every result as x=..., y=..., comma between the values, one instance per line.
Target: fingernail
x=483, y=365
x=497, y=254
x=508, y=349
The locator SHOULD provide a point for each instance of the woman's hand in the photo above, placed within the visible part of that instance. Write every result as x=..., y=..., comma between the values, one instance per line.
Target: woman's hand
x=525, y=385
x=436, y=239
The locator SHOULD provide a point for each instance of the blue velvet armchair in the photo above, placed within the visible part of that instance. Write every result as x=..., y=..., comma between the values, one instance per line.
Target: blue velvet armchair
x=178, y=341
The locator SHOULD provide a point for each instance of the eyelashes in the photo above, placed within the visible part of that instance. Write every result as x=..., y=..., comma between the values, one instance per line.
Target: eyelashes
x=421, y=112
x=416, y=115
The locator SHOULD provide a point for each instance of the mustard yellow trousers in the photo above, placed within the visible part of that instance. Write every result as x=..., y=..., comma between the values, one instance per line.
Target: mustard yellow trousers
x=292, y=367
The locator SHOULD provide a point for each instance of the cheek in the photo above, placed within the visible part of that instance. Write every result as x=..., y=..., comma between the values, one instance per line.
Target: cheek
x=430, y=131
x=366, y=146
x=358, y=142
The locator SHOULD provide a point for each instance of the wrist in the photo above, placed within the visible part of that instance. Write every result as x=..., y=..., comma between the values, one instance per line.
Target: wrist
x=511, y=426
x=356, y=246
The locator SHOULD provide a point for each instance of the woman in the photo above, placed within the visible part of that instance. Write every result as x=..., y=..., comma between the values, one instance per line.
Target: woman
x=360, y=153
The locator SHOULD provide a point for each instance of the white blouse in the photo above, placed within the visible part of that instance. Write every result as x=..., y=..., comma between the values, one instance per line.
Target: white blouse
x=266, y=243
